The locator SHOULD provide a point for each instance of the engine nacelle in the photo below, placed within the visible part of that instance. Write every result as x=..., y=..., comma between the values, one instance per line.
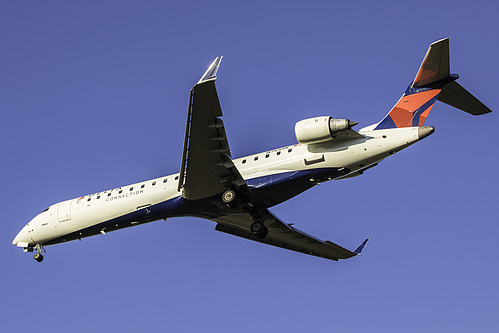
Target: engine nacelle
x=320, y=129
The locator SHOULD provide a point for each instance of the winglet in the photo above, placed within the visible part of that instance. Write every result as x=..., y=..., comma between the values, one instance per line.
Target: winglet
x=359, y=249
x=211, y=72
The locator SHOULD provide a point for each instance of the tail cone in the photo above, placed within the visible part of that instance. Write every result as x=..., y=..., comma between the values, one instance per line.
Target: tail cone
x=424, y=131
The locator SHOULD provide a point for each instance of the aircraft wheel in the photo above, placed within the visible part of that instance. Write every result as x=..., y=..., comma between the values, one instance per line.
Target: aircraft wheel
x=38, y=257
x=229, y=196
x=259, y=229
x=231, y=199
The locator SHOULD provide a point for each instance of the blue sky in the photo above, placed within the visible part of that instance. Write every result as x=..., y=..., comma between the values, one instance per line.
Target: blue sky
x=94, y=96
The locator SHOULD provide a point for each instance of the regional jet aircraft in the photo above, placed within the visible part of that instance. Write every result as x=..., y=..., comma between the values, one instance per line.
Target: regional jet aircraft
x=236, y=193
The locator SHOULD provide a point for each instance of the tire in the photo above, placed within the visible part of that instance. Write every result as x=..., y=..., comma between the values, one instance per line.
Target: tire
x=38, y=257
x=228, y=196
x=259, y=229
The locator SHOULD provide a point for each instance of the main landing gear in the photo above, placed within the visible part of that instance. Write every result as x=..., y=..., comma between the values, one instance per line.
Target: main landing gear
x=38, y=255
x=231, y=199
x=259, y=229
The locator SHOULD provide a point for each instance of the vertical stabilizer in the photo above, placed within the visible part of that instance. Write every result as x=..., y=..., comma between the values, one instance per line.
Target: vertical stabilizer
x=411, y=110
x=435, y=65
x=432, y=82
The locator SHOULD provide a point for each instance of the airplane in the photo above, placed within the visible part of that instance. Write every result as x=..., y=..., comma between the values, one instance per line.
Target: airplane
x=236, y=194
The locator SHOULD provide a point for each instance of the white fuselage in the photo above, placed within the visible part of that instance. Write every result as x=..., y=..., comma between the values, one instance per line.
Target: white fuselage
x=159, y=198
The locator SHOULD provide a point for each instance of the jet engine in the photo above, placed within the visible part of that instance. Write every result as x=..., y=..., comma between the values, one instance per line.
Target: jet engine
x=320, y=129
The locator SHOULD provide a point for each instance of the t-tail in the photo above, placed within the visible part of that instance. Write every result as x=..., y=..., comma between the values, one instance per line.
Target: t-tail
x=433, y=82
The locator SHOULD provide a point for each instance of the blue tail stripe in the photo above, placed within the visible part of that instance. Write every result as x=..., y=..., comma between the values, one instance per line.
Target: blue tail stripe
x=421, y=110
x=386, y=123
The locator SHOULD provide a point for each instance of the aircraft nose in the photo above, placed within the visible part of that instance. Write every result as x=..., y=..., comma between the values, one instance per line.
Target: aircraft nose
x=16, y=239
x=21, y=238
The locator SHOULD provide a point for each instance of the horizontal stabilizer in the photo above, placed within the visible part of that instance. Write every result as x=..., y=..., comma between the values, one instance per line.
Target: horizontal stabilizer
x=455, y=95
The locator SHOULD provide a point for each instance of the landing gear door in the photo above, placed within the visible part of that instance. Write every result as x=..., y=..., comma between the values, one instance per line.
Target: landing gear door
x=64, y=211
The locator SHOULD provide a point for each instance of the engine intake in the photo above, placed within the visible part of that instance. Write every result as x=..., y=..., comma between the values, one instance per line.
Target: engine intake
x=320, y=129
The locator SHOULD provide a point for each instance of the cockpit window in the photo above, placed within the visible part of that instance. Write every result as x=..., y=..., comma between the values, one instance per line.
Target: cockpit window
x=46, y=209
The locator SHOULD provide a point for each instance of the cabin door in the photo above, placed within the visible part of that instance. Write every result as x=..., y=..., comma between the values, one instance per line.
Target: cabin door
x=64, y=211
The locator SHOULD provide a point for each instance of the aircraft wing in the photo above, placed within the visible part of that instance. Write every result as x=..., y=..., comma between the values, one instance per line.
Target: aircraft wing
x=207, y=168
x=283, y=235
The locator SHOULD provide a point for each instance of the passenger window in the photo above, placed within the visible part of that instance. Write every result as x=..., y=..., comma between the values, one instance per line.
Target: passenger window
x=121, y=191
x=290, y=150
x=131, y=188
x=256, y=158
x=109, y=194
x=89, y=199
x=244, y=161
x=153, y=183
x=278, y=153
x=267, y=156
x=165, y=180
x=143, y=185
x=176, y=177
x=98, y=197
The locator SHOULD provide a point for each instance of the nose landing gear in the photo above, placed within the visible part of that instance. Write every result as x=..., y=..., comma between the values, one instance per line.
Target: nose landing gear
x=38, y=255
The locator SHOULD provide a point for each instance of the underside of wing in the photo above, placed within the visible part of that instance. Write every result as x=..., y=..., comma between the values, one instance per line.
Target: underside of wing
x=283, y=235
x=207, y=168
